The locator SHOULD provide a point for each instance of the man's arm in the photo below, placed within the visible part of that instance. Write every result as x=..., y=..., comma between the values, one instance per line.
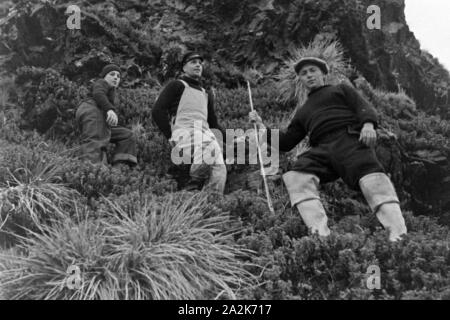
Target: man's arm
x=212, y=118
x=292, y=136
x=364, y=110
x=100, y=90
x=366, y=113
x=288, y=138
x=169, y=96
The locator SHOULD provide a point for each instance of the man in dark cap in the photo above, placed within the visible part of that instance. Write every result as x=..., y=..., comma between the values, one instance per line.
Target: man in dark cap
x=341, y=125
x=184, y=112
x=97, y=120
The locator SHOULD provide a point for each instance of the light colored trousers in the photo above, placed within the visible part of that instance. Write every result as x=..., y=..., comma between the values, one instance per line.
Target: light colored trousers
x=201, y=150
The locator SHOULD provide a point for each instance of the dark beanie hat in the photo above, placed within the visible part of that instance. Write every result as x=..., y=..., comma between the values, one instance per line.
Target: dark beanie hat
x=190, y=56
x=108, y=68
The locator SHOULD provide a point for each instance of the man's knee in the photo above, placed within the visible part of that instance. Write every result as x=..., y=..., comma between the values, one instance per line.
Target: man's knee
x=122, y=133
x=301, y=186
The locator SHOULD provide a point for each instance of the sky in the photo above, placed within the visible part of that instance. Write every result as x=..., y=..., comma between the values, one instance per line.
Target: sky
x=430, y=22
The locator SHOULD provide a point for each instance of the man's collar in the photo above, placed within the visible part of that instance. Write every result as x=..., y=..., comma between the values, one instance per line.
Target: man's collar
x=191, y=80
x=317, y=89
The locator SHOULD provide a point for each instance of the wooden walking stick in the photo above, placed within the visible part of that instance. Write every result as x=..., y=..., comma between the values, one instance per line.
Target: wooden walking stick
x=263, y=172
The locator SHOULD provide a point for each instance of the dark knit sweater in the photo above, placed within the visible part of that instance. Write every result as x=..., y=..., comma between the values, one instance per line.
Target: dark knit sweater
x=166, y=105
x=103, y=95
x=328, y=108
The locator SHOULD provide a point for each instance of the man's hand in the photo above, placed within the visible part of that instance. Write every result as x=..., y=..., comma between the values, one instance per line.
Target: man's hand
x=255, y=118
x=111, y=118
x=368, y=135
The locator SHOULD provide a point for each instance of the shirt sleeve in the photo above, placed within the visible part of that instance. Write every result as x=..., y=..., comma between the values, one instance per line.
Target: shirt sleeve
x=168, y=97
x=100, y=94
x=364, y=110
x=289, y=137
x=212, y=118
x=292, y=136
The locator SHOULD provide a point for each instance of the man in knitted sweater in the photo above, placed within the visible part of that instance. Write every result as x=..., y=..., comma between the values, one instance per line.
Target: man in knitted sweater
x=97, y=120
x=184, y=112
x=341, y=125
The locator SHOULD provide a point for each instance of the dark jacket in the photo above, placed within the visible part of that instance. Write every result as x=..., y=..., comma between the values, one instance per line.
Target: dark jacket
x=327, y=109
x=166, y=105
x=103, y=95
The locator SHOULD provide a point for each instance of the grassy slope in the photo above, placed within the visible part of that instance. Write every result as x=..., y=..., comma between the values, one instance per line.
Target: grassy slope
x=291, y=264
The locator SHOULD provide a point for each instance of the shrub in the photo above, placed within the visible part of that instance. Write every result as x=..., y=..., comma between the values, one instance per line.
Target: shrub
x=95, y=180
x=154, y=249
x=49, y=101
x=336, y=268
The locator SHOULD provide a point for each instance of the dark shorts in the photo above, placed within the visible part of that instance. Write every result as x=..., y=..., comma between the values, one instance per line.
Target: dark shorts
x=339, y=155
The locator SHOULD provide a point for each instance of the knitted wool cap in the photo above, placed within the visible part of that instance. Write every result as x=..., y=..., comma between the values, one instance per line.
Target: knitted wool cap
x=108, y=68
x=311, y=60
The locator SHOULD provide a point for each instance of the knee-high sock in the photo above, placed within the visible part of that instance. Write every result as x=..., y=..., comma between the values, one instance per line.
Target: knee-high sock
x=390, y=216
x=383, y=201
x=304, y=194
x=314, y=216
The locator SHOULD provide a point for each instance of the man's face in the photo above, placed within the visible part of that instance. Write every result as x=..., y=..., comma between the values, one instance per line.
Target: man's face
x=113, y=79
x=194, y=68
x=311, y=76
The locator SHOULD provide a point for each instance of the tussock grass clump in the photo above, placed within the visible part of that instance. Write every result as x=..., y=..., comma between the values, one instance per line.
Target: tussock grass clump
x=289, y=86
x=31, y=192
x=30, y=183
x=156, y=249
x=38, y=268
x=175, y=250
x=34, y=202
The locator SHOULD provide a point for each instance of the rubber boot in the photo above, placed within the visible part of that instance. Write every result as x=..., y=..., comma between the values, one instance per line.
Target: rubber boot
x=383, y=201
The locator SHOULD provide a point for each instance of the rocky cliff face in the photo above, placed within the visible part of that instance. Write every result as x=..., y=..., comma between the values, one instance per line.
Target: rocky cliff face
x=395, y=59
x=259, y=33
